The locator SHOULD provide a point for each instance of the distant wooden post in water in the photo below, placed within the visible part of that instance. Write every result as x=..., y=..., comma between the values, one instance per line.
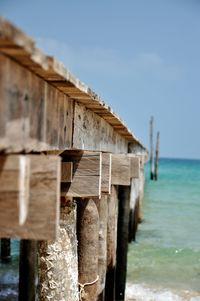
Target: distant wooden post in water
x=151, y=148
x=157, y=156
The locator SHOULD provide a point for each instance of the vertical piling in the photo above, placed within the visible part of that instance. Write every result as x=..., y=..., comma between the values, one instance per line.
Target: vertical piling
x=157, y=156
x=58, y=264
x=5, y=250
x=111, y=244
x=151, y=148
x=102, y=206
x=88, y=248
x=122, y=242
x=28, y=270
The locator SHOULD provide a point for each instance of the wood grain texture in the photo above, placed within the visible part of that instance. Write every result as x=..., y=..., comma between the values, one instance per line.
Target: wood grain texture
x=44, y=194
x=120, y=169
x=14, y=190
x=91, y=132
x=86, y=178
x=106, y=173
x=34, y=116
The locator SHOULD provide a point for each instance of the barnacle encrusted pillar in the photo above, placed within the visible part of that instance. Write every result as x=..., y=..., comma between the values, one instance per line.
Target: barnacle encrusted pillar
x=58, y=264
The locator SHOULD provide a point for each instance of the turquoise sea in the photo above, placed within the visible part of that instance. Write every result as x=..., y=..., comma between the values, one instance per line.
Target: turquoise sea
x=164, y=262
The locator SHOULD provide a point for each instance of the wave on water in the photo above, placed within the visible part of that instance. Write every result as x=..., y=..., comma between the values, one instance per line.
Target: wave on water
x=140, y=292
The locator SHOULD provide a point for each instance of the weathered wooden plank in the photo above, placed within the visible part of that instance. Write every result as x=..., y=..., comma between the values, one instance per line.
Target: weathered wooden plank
x=14, y=190
x=106, y=173
x=91, y=132
x=66, y=172
x=86, y=178
x=34, y=116
x=40, y=221
x=120, y=169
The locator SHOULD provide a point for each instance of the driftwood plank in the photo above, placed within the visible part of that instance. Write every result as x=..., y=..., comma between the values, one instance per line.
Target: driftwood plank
x=38, y=187
x=86, y=178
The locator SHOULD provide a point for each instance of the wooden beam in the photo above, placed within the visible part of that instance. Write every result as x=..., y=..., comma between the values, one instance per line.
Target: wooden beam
x=29, y=197
x=120, y=170
x=86, y=178
x=14, y=190
x=91, y=132
x=66, y=172
x=34, y=116
x=106, y=173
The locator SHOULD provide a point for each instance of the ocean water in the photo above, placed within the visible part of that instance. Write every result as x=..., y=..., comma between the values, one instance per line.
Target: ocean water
x=164, y=262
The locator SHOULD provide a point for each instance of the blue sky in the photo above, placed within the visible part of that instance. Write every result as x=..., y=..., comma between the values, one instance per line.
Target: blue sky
x=142, y=57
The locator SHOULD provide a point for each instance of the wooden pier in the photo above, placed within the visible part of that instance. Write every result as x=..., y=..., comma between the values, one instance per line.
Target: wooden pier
x=71, y=178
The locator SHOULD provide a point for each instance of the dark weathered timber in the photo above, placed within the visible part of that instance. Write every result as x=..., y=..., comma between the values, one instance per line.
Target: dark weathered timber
x=110, y=284
x=122, y=242
x=111, y=244
x=88, y=246
x=28, y=270
x=5, y=250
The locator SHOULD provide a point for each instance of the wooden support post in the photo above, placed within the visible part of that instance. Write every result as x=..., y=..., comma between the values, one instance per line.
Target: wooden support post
x=111, y=244
x=28, y=270
x=122, y=242
x=134, y=208
x=157, y=155
x=151, y=148
x=5, y=250
x=102, y=206
x=58, y=264
x=88, y=248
